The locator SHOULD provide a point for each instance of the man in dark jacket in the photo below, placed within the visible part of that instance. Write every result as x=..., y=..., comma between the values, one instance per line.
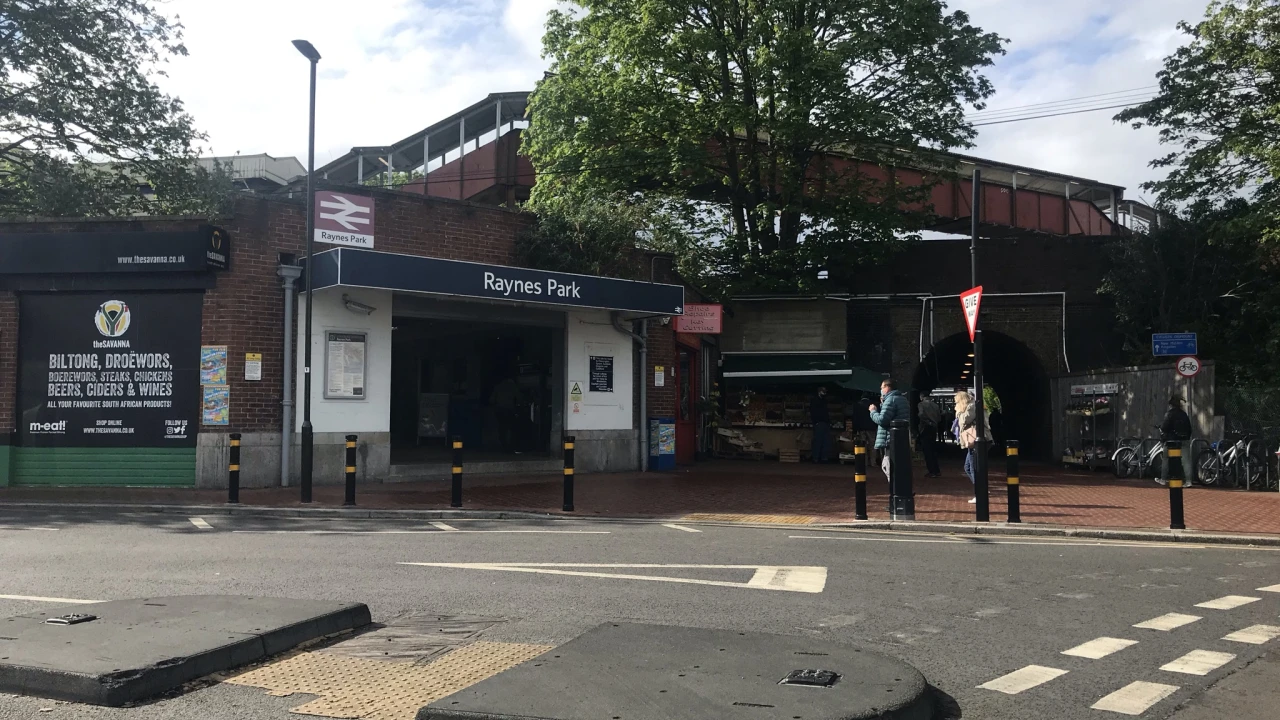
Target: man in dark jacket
x=1177, y=426
x=893, y=406
x=820, y=417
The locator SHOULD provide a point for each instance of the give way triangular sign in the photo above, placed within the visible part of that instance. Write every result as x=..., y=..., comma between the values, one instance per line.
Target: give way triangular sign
x=971, y=300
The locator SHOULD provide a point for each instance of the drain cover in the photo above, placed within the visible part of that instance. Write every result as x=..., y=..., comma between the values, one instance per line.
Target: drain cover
x=811, y=678
x=72, y=619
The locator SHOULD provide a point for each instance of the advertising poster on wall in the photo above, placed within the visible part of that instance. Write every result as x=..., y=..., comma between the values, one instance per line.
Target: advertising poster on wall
x=104, y=369
x=213, y=365
x=216, y=405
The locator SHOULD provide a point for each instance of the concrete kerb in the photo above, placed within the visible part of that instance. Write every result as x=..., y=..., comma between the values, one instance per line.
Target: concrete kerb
x=995, y=528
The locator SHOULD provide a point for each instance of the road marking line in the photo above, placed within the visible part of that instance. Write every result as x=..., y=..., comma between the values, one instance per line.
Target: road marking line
x=1023, y=679
x=443, y=526
x=1167, y=622
x=417, y=532
x=805, y=579
x=1135, y=698
x=1199, y=662
x=37, y=598
x=1228, y=602
x=1100, y=648
x=1270, y=588
x=1255, y=634
x=674, y=526
x=200, y=523
x=24, y=527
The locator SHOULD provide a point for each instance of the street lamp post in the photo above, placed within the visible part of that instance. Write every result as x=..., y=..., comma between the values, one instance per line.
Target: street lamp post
x=309, y=52
x=982, y=504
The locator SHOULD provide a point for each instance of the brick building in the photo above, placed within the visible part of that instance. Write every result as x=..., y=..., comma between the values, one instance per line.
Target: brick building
x=122, y=365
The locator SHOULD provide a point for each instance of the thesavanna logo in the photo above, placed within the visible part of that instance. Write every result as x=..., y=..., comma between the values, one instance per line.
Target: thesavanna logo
x=112, y=318
x=48, y=428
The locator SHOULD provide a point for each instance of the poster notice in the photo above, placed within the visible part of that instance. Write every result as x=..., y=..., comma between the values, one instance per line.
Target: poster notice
x=216, y=405
x=253, y=366
x=601, y=373
x=213, y=365
x=101, y=369
x=345, y=365
x=659, y=376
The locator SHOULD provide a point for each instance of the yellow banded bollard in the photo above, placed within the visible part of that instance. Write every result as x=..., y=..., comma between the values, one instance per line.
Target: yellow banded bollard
x=1015, y=501
x=350, y=498
x=233, y=471
x=1173, y=471
x=568, y=473
x=860, y=481
x=456, y=495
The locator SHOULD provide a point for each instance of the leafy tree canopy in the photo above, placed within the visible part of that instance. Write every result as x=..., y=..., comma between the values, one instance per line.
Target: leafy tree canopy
x=82, y=125
x=722, y=114
x=1219, y=109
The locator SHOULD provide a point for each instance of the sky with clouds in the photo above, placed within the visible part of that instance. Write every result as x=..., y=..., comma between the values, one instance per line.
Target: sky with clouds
x=392, y=67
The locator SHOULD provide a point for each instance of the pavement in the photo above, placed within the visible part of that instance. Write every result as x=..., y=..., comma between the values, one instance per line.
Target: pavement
x=1005, y=628
x=764, y=492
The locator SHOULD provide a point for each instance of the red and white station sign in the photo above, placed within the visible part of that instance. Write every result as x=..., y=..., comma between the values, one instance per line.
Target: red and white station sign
x=704, y=319
x=343, y=219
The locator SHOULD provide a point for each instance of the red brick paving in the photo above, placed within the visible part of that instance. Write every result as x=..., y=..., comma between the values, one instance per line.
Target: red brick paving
x=825, y=494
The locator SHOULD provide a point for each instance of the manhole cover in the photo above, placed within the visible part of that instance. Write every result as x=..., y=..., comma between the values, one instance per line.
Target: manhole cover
x=810, y=678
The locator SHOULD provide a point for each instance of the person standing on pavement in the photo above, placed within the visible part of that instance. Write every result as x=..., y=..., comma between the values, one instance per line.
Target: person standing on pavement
x=927, y=433
x=967, y=423
x=820, y=417
x=1177, y=426
x=893, y=406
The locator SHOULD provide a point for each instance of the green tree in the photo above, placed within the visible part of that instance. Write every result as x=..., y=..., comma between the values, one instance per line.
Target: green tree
x=722, y=114
x=84, y=128
x=1219, y=109
x=1205, y=272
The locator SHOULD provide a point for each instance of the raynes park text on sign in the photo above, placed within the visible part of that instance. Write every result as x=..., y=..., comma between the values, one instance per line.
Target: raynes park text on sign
x=107, y=369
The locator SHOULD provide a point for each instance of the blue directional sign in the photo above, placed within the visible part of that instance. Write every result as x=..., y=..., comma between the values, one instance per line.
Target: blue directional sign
x=1173, y=344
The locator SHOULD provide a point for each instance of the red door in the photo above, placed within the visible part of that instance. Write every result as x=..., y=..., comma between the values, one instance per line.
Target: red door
x=686, y=404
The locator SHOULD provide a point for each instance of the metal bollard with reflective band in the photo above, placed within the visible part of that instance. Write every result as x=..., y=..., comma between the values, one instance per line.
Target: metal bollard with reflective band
x=350, y=498
x=860, y=482
x=568, y=473
x=1173, y=471
x=233, y=470
x=1015, y=502
x=456, y=495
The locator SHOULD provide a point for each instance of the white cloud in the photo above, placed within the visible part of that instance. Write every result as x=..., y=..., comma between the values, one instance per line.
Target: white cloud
x=391, y=67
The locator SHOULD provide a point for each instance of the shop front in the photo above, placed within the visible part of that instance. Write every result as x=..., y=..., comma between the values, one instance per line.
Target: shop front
x=108, y=354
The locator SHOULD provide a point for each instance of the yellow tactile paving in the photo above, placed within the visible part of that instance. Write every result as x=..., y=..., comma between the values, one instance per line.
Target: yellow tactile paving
x=769, y=519
x=353, y=687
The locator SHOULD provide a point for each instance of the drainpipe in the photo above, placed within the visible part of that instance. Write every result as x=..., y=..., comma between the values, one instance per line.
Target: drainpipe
x=289, y=273
x=642, y=432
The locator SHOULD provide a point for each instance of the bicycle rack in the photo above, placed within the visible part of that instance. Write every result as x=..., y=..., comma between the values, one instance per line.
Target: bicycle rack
x=1195, y=456
x=1144, y=451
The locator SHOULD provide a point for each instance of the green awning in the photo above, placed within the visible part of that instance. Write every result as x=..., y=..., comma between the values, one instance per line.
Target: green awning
x=796, y=368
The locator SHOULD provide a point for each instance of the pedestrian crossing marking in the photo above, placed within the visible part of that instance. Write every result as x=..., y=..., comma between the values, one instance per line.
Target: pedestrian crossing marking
x=1199, y=662
x=1023, y=679
x=1100, y=648
x=1255, y=634
x=1135, y=698
x=1270, y=588
x=1228, y=602
x=1167, y=622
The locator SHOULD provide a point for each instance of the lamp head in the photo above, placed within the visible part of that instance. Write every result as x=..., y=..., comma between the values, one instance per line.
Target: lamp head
x=307, y=49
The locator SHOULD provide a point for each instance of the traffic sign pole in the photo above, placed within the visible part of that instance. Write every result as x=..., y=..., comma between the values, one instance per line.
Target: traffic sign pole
x=982, y=505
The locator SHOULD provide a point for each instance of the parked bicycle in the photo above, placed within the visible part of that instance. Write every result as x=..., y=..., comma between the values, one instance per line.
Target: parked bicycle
x=1132, y=458
x=1243, y=462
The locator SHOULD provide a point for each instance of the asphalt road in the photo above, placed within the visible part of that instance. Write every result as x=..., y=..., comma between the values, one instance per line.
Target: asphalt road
x=965, y=610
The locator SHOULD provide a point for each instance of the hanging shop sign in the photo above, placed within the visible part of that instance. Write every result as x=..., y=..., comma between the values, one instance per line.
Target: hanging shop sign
x=412, y=273
x=205, y=248
x=109, y=369
x=700, y=318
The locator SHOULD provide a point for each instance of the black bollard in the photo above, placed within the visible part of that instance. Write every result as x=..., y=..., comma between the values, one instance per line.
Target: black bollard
x=860, y=482
x=233, y=470
x=1015, y=502
x=456, y=498
x=568, y=474
x=1173, y=471
x=903, y=500
x=350, y=498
